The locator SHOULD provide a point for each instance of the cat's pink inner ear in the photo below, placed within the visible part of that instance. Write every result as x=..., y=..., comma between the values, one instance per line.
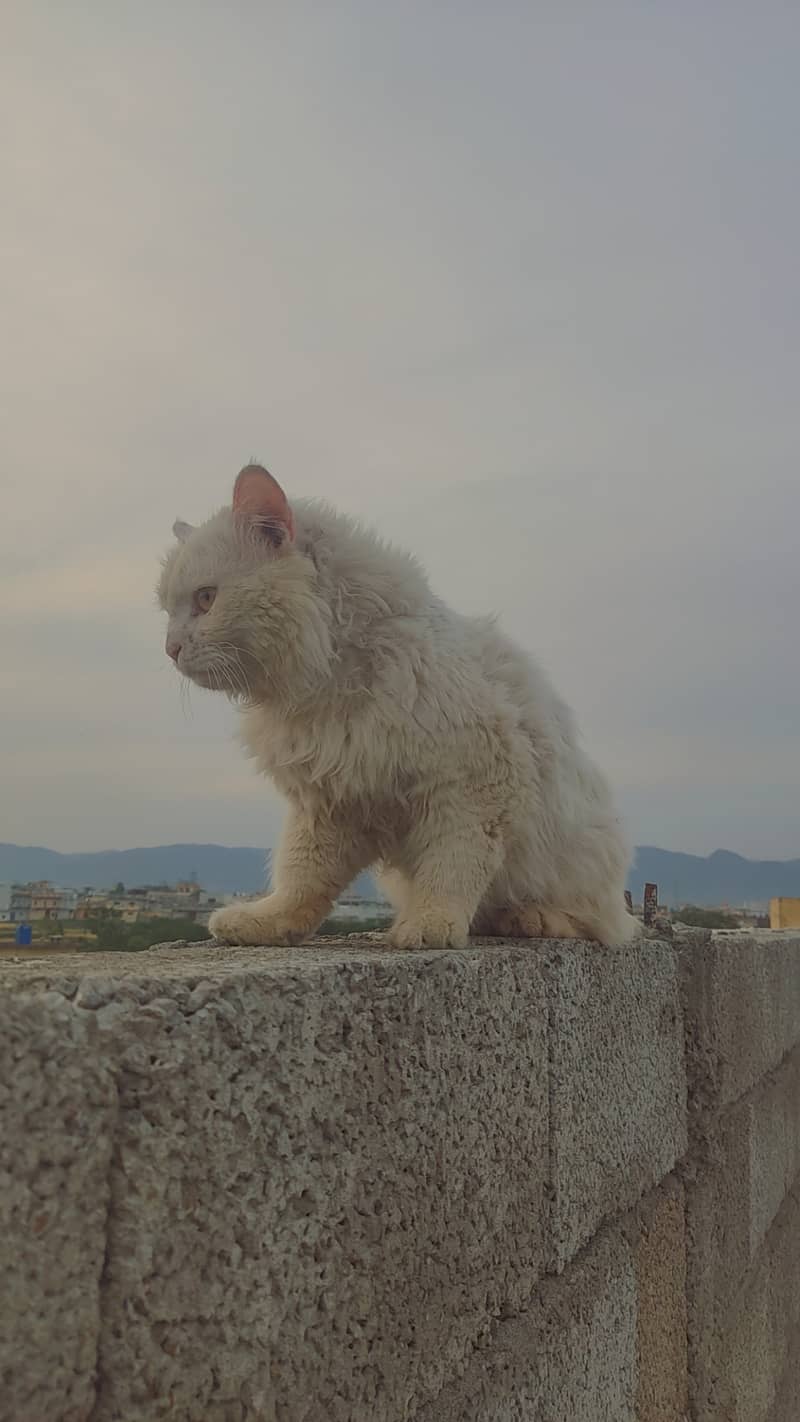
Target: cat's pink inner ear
x=258, y=496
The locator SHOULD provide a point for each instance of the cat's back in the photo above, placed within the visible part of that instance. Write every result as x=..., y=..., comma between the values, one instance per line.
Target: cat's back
x=382, y=600
x=514, y=674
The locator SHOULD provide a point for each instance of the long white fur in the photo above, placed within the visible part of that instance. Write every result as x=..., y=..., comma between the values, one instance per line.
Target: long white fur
x=402, y=734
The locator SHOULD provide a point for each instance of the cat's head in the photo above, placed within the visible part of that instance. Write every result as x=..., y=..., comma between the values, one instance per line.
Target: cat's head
x=239, y=594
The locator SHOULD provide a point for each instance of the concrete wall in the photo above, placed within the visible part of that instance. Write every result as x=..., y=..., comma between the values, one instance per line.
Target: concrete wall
x=543, y=1183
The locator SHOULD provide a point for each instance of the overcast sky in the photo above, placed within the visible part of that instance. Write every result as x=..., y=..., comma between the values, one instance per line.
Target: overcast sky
x=516, y=282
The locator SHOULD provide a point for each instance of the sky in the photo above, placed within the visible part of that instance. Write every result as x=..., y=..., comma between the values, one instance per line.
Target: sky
x=517, y=284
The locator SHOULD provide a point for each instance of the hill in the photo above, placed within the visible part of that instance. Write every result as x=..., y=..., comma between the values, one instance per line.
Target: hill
x=720, y=878
x=218, y=868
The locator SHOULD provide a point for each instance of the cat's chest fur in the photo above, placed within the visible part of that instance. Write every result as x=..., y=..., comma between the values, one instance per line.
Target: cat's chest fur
x=320, y=759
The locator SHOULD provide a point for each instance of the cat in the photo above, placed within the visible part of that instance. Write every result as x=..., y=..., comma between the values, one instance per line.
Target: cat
x=402, y=734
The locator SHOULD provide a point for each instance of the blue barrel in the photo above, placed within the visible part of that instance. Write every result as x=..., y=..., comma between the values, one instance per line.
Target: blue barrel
x=24, y=935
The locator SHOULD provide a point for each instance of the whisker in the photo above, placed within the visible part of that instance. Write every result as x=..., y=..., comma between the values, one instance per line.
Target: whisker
x=184, y=692
x=231, y=666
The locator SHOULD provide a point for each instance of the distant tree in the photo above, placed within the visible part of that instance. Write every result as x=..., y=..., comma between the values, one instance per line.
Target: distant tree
x=340, y=927
x=696, y=917
x=118, y=890
x=44, y=928
x=115, y=936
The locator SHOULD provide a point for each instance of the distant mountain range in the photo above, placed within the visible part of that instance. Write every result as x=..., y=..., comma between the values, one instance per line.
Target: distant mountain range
x=722, y=878
x=217, y=868
x=682, y=878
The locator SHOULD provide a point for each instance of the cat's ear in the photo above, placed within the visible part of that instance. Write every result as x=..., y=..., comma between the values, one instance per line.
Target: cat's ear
x=260, y=498
x=181, y=530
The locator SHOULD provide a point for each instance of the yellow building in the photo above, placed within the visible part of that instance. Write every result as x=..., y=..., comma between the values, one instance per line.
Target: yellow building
x=784, y=913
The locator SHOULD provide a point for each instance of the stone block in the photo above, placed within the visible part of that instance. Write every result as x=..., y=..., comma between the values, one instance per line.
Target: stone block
x=571, y=1355
x=328, y=1175
x=617, y=1083
x=786, y=1406
x=765, y=1330
x=774, y=1156
x=605, y=1341
x=58, y=1105
x=736, y=1376
x=659, y=1257
x=736, y=1182
x=741, y=999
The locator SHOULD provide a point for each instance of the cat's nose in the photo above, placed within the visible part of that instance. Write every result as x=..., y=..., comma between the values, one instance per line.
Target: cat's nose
x=173, y=649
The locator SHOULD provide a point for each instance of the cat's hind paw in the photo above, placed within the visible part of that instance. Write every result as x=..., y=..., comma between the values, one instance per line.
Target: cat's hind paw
x=528, y=920
x=433, y=928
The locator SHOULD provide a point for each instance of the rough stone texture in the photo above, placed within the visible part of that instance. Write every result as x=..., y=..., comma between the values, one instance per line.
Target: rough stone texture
x=786, y=1407
x=741, y=998
x=328, y=1175
x=617, y=1083
x=572, y=1355
x=604, y=1342
x=762, y=1336
x=774, y=1160
x=660, y=1270
x=57, y=1107
x=735, y=1184
x=323, y=1184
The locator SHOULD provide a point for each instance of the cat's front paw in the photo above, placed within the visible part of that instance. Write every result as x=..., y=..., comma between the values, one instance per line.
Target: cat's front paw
x=431, y=928
x=250, y=925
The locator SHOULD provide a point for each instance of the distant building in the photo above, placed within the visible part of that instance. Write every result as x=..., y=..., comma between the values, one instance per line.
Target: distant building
x=44, y=899
x=784, y=913
x=352, y=906
x=20, y=902
x=93, y=902
x=68, y=902
x=185, y=900
x=752, y=918
x=206, y=905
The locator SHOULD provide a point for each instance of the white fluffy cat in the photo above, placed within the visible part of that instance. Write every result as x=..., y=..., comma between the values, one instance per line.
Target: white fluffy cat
x=401, y=734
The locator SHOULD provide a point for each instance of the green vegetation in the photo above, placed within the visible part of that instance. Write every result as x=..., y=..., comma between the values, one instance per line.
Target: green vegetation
x=339, y=927
x=115, y=936
x=47, y=928
x=105, y=932
x=705, y=918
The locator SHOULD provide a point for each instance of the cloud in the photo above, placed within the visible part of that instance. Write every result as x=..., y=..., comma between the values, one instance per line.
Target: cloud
x=109, y=585
x=521, y=294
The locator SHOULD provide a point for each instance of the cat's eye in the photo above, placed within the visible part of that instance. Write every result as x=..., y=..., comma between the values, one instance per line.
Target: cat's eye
x=203, y=599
